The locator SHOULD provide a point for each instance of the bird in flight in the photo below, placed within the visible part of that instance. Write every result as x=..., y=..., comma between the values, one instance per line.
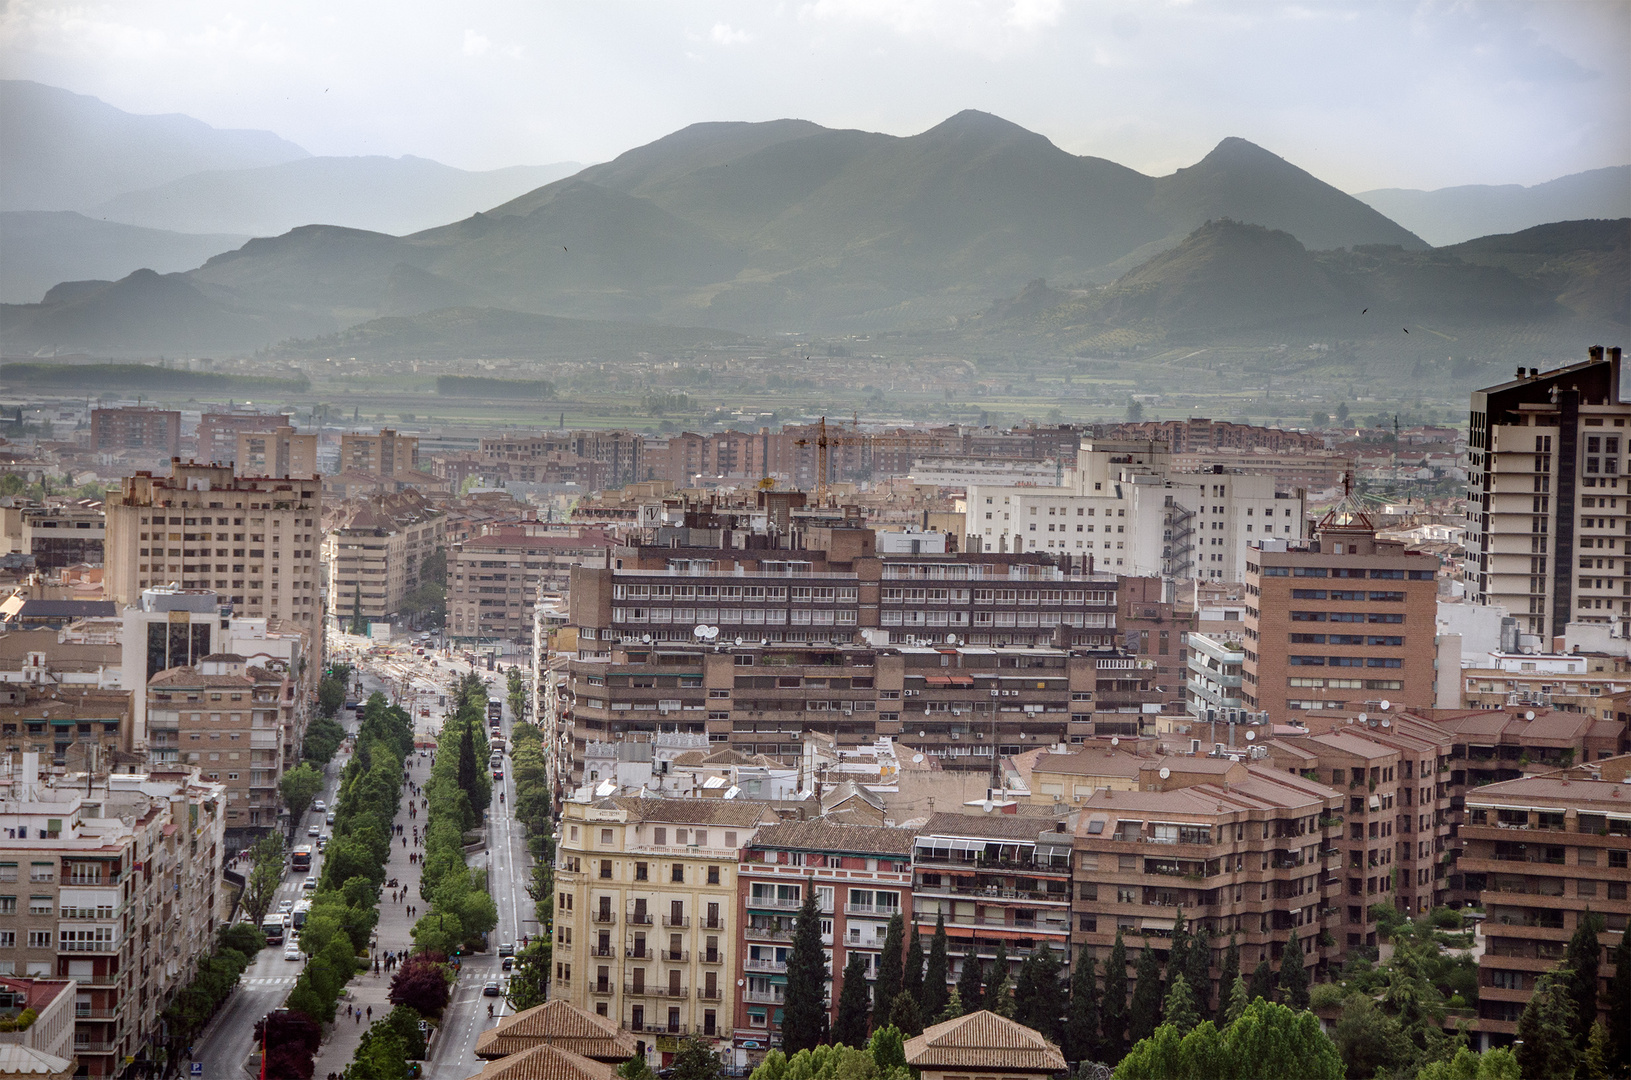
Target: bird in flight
x=1407, y=329
x=1363, y=312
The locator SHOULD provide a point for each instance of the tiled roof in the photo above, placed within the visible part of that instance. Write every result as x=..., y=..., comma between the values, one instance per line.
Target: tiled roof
x=1094, y=762
x=991, y=826
x=828, y=836
x=697, y=811
x=985, y=1041
x=546, y=1062
x=559, y=1023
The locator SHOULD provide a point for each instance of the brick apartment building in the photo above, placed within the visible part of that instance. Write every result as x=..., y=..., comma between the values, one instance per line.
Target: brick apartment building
x=217, y=435
x=495, y=578
x=137, y=432
x=1338, y=620
x=1538, y=852
x=862, y=876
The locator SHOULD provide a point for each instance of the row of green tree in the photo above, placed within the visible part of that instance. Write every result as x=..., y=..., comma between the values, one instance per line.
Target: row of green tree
x=345, y=905
x=191, y=1008
x=534, y=809
x=459, y=791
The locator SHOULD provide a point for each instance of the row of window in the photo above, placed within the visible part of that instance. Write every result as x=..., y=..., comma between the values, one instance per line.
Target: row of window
x=1345, y=661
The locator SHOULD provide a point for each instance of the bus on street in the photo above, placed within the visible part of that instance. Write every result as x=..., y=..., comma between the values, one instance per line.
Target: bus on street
x=302, y=908
x=274, y=928
x=300, y=861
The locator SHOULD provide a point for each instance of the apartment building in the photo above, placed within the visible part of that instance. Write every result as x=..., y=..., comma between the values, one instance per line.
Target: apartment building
x=120, y=894
x=1134, y=514
x=216, y=440
x=590, y=458
x=646, y=917
x=254, y=540
x=281, y=452
x=373, y=549
x=1569, y=682
x=862, y=877
x=223, y=718
x=1215, y=671
x=74, y=727
x=1546, y=452
x=1239, y=848
x=962, y=705
x=994, y=877
x=495, y=579
x=1152, y=625
x=1338, y=620
x=64, y=534
x=52, y=1032
x=1539, y=852
x=137, y=432
x=386, y=454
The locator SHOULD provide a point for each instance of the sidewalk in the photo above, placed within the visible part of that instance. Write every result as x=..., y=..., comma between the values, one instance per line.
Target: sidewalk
x=391, y=935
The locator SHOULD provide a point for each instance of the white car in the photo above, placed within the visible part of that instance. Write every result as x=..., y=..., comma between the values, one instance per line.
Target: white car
x=314, y=830
x=319, y=806
x=291, y=951
x=285, y=906
x=309, y=885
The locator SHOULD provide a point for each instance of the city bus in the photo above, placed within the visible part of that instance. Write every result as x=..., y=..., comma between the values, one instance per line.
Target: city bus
x=300, y=861
x=274, y=928
x=301, y=909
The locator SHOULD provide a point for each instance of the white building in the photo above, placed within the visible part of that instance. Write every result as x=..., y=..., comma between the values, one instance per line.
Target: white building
x=1135, y=516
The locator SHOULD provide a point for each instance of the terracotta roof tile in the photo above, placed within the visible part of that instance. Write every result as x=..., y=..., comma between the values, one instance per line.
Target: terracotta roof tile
x=985, y=1041
x=829, y=836
x=562, y=1024
x=546, y=1062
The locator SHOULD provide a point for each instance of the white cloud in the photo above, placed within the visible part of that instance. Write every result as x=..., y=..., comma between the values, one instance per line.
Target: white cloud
x=475, y=44
x=726, y=34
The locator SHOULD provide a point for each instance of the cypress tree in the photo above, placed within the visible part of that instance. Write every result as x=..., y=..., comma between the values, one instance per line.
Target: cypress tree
x=1619, y=1008
x=969, y=981
x=804, y=1013
x=1113, y=1005
x=1081, y=1040
x=1293, y=976
x=890, y=972
x=1261, y=984
x=903, y=1014
x=936, y=974
x=1546, y=1028
x=1231, y=971
x=1178, y=952
x=1144, y=1015
x=911, y=979
x=467, y=758
x=1036, y=993
x=954, y=1007
x=999, y=995
x=850, y=1028
x=1581, y=959
x=1199, y=972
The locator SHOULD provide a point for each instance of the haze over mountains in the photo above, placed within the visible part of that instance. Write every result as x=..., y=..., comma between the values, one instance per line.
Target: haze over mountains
x=193, y=188
x=1456, y=214
x=786, y=225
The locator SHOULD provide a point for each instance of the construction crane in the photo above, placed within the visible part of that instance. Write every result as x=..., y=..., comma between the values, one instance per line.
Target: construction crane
x=821, y=460
x=825, y=440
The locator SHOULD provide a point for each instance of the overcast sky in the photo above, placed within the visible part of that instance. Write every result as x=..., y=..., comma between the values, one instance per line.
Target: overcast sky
x=1363, y=94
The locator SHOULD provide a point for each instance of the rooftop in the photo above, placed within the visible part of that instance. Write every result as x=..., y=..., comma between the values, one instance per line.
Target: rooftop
x=984, y=1041
x=828, y=836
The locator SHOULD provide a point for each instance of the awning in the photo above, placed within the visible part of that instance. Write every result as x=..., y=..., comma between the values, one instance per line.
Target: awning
x=950, y=843
x=1157, y=924
x=938, y=680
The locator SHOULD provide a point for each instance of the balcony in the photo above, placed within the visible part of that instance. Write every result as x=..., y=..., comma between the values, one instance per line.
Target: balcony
x=774, y=903
x=639, y=952
x=87, y=1012
x=601, y=988
x=763, y=997
x=640, y=918
x=773, y=967
x=660, y=1029
x=674, y=956
x=876, y=911
x=608, y=918
x=677, y=922
x=995, y=892
x=653, y=990
x=767, y=933
x=93, y=1047
x=603, y=950
x=710, y=993
x=90, y=946
x=712, y=923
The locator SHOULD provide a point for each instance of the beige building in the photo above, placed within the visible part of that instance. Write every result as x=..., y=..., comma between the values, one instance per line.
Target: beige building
x=254, y=540
x=982, y=1046
x=373, y=550
x=113, y=884
x=645, y=930
x=385, y=454
x=222, y=717
x=279, y=453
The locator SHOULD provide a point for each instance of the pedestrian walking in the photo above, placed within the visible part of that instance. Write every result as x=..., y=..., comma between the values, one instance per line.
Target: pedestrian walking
x=370, y=1014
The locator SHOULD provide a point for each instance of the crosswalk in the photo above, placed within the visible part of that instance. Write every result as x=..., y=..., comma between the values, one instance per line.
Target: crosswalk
x=269, y=980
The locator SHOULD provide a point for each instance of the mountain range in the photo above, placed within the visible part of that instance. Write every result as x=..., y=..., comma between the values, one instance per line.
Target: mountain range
x=786, y=225
x=1454, y=215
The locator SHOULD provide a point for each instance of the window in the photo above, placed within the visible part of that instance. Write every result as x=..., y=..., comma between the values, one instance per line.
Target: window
x=39, y=939
x=606, y=868
x=659, y=837
x=606, y=837
x=713, y=875
x=640, y=873
x=40, y=905
x=677, y=873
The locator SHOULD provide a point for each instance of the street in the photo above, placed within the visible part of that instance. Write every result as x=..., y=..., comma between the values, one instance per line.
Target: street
x=409, y=681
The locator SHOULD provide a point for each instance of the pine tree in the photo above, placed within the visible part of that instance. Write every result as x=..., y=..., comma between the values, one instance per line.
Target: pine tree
x=1239, y=999
x=804, y=1012
x=1037, y=999
x=1261, y=984
x=999, y=996
x=1230, y=972
x=936, y=974
x=1178, y=952
x=1199, y=972
x=903, y=1014
x=850, y=1029
x=911, y=979
x=1113, y=1005
x=1144, y=1014
x=890, y=972
x=1619, y=1009
x=1598, y=1048
x=1581, y=959
x=970, y=981
x=1179, y=1008
x=953, y=1009
x=1293, y=976
x=1546, y=1028
x=1082, y=1020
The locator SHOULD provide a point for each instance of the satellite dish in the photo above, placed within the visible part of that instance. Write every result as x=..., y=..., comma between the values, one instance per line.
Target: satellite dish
x=645, y=639
x=1529, y=715
x=739, y=639
x=1251, y=736
x=921, y=734
x=1166, y=773
x=1386, y=704
x=1387, y=723
x=763, y=642
x=699, y=630
x=1362, y=718
x=917, y=758
x=1115, y=740
x=951, y=639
